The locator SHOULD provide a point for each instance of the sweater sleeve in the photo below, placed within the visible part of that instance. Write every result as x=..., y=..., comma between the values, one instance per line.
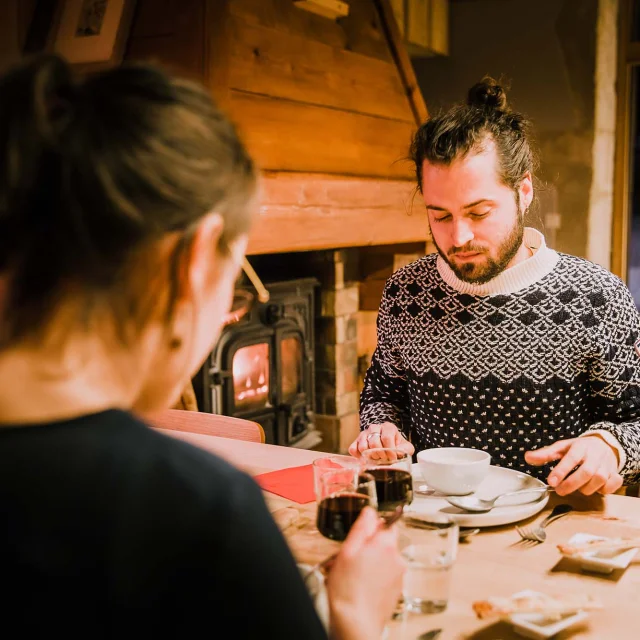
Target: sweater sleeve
x=384, y=396
x=615, y=378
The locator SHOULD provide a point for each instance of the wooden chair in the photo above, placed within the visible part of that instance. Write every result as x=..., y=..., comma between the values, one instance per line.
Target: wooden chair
x=208, y=424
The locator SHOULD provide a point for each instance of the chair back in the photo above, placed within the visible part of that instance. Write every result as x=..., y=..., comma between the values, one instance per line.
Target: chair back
x=209, y=424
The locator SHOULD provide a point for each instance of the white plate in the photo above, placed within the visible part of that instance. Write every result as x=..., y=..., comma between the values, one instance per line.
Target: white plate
x=538, y=626
x=498, y=480
x=603, y=561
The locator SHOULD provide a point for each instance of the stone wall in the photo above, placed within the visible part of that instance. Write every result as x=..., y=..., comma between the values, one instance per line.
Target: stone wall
x=350, y=283
x=337, y=388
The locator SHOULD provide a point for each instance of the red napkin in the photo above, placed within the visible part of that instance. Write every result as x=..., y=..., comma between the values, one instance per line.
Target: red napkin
x=295, y=483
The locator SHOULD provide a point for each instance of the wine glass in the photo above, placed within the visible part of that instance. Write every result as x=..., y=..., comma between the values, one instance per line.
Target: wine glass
x=341, y=495
x=391, y=469
x=327, y=464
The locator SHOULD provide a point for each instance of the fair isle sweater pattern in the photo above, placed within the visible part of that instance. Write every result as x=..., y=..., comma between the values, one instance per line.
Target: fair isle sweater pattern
x=508, y=372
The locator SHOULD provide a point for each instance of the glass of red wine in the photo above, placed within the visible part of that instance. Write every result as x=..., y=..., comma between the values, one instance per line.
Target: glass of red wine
x=391, y=469
x=341, y=495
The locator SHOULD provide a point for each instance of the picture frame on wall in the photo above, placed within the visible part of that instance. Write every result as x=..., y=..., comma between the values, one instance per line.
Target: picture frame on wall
x=92, y=33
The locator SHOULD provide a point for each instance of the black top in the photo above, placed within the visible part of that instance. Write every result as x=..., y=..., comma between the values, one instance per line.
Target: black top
x=110, y=529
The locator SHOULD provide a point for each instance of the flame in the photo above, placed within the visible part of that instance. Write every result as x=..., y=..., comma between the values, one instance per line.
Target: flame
x=251, y=375
x=291, y=367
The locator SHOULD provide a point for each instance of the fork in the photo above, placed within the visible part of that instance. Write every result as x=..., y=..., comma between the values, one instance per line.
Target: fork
x=538, y=534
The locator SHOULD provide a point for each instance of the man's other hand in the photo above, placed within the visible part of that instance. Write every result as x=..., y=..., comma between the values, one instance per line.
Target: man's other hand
x=594, y=461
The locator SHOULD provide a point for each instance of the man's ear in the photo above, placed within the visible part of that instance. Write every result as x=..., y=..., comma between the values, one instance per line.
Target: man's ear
x=526, y=191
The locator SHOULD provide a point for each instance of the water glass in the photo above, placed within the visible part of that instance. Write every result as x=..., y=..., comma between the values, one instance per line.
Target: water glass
x=342, y=495
x=429, y=559
x=391, y=469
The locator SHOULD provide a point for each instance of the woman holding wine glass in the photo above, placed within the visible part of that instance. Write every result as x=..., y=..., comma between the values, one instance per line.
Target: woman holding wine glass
x=126, y=199
x=342, y=495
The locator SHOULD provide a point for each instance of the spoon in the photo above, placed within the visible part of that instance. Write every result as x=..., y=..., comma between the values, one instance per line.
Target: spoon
x=480, y=505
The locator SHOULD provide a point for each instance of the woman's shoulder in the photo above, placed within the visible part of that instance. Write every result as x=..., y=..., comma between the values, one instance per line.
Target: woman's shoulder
x=119, y=452
x=201, y=474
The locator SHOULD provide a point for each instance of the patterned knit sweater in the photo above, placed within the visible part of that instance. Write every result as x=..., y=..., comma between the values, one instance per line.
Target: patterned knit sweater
x=547, y=350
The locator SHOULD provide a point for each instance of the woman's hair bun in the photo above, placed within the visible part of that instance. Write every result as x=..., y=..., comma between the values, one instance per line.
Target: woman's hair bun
x=487, y=94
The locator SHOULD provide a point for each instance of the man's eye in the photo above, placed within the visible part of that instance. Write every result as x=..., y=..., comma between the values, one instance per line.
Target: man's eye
x=480, y=214
x=443, y=218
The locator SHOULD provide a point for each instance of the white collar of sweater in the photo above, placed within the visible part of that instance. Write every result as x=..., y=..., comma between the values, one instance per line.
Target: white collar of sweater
x=513, y=279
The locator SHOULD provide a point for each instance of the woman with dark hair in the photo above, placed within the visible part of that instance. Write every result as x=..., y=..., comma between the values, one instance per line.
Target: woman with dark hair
x=125, y=203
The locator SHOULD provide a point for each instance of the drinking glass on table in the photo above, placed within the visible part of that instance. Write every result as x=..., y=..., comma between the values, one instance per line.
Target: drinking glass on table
x=391, y=469
x=331, y=463
x=341, y=495
x=430, y=558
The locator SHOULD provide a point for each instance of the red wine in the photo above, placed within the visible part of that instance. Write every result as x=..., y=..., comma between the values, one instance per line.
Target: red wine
x=393, y=486
x=336, y=514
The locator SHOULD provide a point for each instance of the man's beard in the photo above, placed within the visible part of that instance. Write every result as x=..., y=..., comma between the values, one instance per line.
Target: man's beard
x=475, y=273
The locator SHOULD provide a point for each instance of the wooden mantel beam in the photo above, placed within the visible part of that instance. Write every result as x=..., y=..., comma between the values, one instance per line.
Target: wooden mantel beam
x=402, y=60
x=303, y=212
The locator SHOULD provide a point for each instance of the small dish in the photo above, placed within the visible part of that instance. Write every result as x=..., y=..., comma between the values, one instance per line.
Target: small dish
x=539, y=626
x=600, y=561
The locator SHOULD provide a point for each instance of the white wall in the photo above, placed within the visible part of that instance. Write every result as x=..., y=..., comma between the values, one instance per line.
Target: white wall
x=600, y=219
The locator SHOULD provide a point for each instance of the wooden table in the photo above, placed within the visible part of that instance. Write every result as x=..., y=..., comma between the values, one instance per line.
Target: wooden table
x=492, y=563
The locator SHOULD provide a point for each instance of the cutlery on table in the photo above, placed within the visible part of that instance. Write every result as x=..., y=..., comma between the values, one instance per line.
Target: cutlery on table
x=418, y=523
x=537, y=533
x=480, y=505
x=465, y=534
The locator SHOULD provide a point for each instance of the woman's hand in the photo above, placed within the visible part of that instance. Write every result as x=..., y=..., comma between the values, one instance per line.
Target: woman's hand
x=365, y=581
x=380, y=435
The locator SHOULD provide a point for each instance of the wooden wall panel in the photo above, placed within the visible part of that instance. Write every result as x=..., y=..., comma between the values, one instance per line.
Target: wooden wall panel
x=326, y=108
x=290, y=136
x=171, y=33
x=9, y=34
x=26, y=10
x=360, y=32
x=155, y=18
x=402, y=60
x=306, y=212
x=290, y=65
x=217, y=49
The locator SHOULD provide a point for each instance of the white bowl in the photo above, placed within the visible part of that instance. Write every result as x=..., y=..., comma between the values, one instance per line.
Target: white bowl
x=454, y=471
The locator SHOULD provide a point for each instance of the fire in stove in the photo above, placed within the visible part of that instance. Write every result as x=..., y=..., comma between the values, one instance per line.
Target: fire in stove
x=251, y=376
x=262, y=367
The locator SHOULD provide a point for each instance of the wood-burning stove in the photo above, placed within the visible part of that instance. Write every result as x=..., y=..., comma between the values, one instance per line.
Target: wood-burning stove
x=263, y=367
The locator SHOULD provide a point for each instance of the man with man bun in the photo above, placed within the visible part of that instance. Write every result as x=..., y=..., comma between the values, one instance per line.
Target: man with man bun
x=498, y=342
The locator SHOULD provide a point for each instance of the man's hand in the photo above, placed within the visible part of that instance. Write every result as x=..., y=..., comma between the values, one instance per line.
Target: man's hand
x=380, y=435
x=596, y=462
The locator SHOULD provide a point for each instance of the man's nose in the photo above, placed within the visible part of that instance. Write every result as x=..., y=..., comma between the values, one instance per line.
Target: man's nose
x=461, y=233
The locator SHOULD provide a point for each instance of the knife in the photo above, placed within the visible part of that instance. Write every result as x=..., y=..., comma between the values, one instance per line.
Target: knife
x=465, y=532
